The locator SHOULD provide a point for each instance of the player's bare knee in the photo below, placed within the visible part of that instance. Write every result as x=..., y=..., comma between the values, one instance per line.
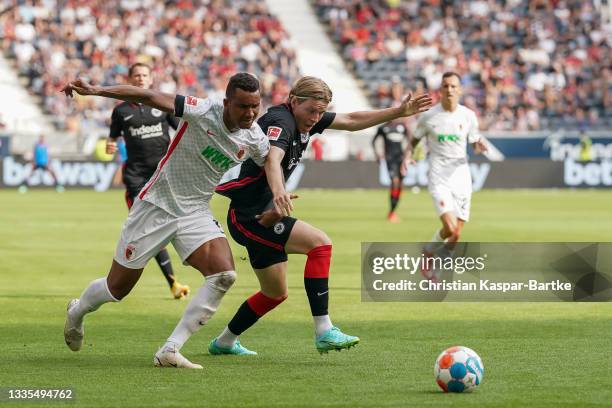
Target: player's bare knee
x=321, y=239
x=279, y=297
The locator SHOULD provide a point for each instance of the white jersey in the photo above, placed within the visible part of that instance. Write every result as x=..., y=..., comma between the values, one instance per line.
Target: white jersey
x=200, y=153
x=447, y=135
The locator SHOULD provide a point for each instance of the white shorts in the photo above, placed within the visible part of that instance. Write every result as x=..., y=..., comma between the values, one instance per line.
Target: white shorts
x=149, y=229
x=448, y=200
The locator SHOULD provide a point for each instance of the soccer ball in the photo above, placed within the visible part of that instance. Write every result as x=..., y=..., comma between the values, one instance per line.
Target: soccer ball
x=458, y=369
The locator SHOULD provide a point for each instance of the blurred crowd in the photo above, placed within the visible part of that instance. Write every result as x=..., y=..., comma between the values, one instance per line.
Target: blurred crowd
x=193, y=47
x=525, y=65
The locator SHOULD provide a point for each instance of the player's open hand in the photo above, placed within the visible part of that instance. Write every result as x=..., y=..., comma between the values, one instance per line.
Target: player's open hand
x=412, y=106
x=480, y=146
x=79, y=86
x=283, y=204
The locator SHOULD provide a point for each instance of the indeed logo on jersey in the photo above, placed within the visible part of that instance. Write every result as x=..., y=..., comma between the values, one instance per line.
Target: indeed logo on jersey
x=448, y=138
x=216, y=158
x=146, y=132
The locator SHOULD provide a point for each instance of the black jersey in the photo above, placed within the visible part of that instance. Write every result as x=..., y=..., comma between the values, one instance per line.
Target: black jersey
x=250, y=191
x=395, y=137
x=146, y=134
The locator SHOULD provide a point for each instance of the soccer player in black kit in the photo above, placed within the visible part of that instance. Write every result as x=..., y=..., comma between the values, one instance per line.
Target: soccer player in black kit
x=395, y=138
x=146, y=134
x=258, y=216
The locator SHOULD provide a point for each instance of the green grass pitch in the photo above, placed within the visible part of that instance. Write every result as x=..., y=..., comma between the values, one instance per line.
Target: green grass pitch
x=535, y=354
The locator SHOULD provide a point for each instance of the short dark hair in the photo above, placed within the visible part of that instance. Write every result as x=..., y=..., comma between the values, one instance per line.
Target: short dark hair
x=449, y=74
x=242, y=80
x=136, y=65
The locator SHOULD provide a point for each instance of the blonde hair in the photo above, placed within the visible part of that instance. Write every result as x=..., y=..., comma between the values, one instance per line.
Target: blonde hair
x=309, y=87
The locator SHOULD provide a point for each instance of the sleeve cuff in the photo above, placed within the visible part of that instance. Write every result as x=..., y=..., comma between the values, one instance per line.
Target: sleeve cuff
x=179, y=106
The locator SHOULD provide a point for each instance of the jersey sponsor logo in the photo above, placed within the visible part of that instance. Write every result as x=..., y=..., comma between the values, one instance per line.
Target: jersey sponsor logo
x=192, y=101
x=146, y=132
x=447, y=138
x=274, y=132
x=216, y=158
x=156, y=112
x=304, y=137
x=279, y=228
x=395, y=137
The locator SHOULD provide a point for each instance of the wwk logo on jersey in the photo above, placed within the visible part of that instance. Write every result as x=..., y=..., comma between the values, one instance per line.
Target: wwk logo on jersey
x=192, y=101
x=447, y=138
x=216, y=158
x=274, y=132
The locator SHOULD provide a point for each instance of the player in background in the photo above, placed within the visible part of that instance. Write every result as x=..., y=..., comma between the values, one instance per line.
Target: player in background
x=448, y=127
x=146, y=133
x=213, y=136
x=258, y=218
x=395, y=141
x=41, y=162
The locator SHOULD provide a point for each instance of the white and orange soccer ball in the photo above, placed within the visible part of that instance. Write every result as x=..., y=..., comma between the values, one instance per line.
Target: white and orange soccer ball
x=458, y=369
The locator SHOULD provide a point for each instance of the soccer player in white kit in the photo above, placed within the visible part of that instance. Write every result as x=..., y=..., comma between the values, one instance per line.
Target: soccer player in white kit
x=173, y=206
x=448, y=127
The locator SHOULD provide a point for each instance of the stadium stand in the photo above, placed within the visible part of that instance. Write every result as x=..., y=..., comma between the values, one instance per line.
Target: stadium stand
x=192, y=46
x=525, y=65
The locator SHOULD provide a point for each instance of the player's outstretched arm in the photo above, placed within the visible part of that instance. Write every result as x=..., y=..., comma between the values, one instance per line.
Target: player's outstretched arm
x=128, y=93
x=362, y=120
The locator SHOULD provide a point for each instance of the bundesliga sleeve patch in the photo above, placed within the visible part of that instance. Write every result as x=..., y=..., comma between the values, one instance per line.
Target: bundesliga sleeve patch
x=192, y=101
x=274, y=132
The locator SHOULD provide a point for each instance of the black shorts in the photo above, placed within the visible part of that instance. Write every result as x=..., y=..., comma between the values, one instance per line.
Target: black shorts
x=394, y=166
x=135, y=180
x=266, y=246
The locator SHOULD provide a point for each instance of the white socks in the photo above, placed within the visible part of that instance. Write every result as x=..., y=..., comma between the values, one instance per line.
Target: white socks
x=322, y=324
x=94, y=296
x=202, y=307
x=226, y=339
